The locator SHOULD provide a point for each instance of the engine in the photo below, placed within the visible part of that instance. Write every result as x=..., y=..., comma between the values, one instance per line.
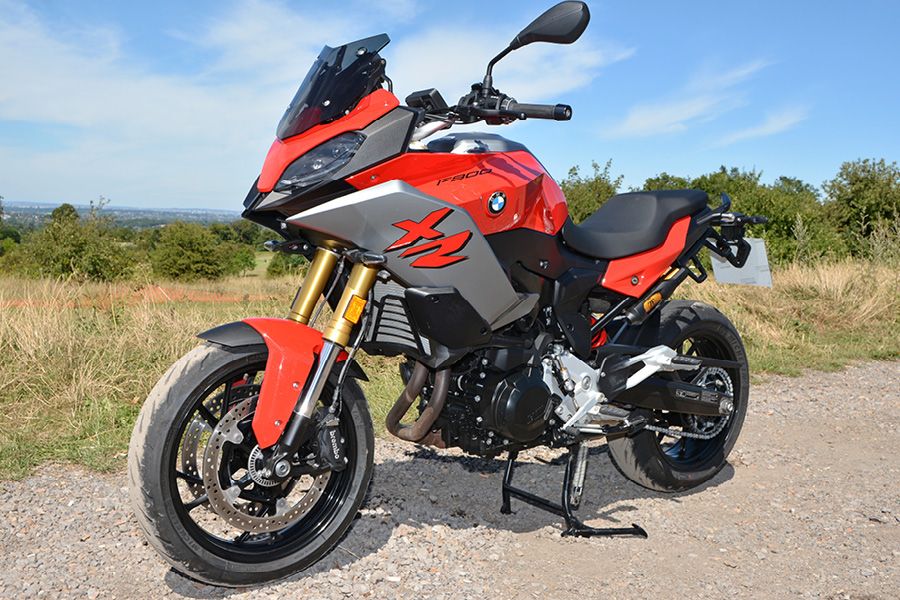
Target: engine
x=496, y=400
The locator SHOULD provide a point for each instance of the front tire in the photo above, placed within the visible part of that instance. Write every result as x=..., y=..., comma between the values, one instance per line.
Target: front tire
x=654, y=461
x=168, y=498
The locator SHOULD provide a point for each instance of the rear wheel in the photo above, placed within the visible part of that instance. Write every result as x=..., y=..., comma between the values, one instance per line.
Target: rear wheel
x=691, y=449
x=198, y=493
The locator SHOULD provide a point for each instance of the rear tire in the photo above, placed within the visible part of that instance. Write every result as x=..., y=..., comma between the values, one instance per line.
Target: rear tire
x=642, y=458
x=160, y=507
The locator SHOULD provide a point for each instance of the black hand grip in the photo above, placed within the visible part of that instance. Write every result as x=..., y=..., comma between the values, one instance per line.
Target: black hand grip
x=556, y=112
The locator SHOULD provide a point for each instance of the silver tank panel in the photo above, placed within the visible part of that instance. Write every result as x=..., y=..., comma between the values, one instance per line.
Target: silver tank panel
x=370, y=218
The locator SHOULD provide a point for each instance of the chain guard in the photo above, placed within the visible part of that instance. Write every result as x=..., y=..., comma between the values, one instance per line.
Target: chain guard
x=702, y=428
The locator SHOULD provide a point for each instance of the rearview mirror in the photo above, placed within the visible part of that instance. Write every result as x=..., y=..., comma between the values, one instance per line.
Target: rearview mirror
x=560, y=24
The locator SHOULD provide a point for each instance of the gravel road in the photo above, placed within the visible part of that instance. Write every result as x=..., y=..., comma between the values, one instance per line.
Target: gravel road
x=808, y=507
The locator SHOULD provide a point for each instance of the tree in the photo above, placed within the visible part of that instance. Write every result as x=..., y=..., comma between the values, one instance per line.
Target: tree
x=237, y=259
x=69, y=246
x=64, y=213
x=664, y=181
x=250, y=233
x=187, y=251
x=798, y=228
x=241, y=231
x=862, y=197
x=584, y=195
x=223, y=231
x=285, y=264
x=9, y=236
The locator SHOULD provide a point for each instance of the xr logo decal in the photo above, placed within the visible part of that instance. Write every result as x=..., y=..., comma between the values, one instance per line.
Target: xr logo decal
x=439, y=251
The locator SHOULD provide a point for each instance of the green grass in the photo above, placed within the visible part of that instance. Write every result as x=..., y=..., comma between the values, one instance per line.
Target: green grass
x=77, y=361
x=262, y=263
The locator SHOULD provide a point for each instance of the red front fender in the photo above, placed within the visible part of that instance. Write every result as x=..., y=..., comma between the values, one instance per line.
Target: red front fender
x=293, y=348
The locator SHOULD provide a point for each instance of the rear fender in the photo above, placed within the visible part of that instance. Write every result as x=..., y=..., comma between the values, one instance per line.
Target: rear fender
x=292, y=351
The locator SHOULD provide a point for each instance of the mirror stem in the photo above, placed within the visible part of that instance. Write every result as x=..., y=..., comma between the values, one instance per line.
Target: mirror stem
x=488, y=76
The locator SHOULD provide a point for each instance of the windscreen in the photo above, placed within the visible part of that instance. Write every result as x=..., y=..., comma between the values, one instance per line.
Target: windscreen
x=338, y=79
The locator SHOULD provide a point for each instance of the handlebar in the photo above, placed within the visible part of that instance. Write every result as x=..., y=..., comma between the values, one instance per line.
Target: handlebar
x=497, y=108
x=555, y=112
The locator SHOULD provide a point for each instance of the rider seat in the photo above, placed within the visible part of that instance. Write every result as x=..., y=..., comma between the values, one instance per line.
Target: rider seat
x=631, y=223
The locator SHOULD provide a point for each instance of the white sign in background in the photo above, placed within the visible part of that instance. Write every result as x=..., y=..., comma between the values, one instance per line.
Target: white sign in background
x=754, y=272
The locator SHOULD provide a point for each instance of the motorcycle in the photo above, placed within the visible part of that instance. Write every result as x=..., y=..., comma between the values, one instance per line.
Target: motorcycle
x=515, y=326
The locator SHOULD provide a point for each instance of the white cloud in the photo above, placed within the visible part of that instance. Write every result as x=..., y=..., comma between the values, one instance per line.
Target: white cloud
x=536, y=73
x=271, y=41
x=774, y=123
x=717, y=79
x=141, y=135
x=704, y=98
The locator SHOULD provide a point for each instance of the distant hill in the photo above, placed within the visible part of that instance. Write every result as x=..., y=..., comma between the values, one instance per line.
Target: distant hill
x=27, y=214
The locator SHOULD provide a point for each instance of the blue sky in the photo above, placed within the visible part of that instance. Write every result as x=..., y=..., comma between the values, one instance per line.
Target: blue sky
x=175, y=103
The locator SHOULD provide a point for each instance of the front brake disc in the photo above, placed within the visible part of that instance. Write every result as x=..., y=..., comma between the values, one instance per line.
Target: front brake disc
x=198, y=430
x=224, y=491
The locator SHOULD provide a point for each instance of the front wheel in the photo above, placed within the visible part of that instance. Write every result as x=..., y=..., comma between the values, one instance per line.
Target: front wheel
x=198, y=495
x=685, y=451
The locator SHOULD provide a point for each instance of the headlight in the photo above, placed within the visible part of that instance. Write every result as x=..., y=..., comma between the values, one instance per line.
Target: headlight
x=320, y=162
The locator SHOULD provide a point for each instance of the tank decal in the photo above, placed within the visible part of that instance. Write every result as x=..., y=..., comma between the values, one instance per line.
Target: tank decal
x=427, y=242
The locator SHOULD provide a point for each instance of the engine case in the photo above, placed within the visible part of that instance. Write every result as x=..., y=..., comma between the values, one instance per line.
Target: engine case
x=519, y=405
x=487, y=412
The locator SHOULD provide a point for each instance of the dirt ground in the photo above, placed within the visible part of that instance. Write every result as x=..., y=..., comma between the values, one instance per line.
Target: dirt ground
x=809, y=506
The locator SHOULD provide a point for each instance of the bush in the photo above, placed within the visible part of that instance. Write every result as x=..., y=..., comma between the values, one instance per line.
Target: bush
x=237, y=258
x=69, y=246
x=187, y=251
x=285, y=264
x=798, y=227
x=6, y=245
x=584, y=195
x=863, y=196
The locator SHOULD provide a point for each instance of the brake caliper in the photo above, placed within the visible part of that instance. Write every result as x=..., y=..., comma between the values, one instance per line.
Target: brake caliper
x=332, y=445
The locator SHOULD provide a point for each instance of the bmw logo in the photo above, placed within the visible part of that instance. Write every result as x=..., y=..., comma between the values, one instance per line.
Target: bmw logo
x=497, y=202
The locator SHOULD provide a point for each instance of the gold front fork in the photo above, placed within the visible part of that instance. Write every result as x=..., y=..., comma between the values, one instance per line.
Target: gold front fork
x=313, y=285
x=351, y=305
x=349, y=309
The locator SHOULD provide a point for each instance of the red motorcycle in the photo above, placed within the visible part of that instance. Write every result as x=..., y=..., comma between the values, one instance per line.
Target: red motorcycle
x=516, y=327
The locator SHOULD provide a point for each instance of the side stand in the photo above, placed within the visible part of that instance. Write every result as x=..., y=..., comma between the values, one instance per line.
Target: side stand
x=574, y=526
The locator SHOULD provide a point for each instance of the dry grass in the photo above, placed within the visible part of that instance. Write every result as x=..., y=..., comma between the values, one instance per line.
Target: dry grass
x=76, y=361
x=813, y=317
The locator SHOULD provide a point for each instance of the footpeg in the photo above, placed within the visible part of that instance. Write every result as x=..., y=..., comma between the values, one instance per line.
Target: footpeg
x=656, y=359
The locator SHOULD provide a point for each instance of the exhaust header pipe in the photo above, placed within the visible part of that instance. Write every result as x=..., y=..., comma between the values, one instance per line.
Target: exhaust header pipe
x=420, y=431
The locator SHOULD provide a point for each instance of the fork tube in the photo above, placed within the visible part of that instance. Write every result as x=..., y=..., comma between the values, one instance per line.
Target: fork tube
x=313, y=284
x=346, y=315
x=350, y=307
